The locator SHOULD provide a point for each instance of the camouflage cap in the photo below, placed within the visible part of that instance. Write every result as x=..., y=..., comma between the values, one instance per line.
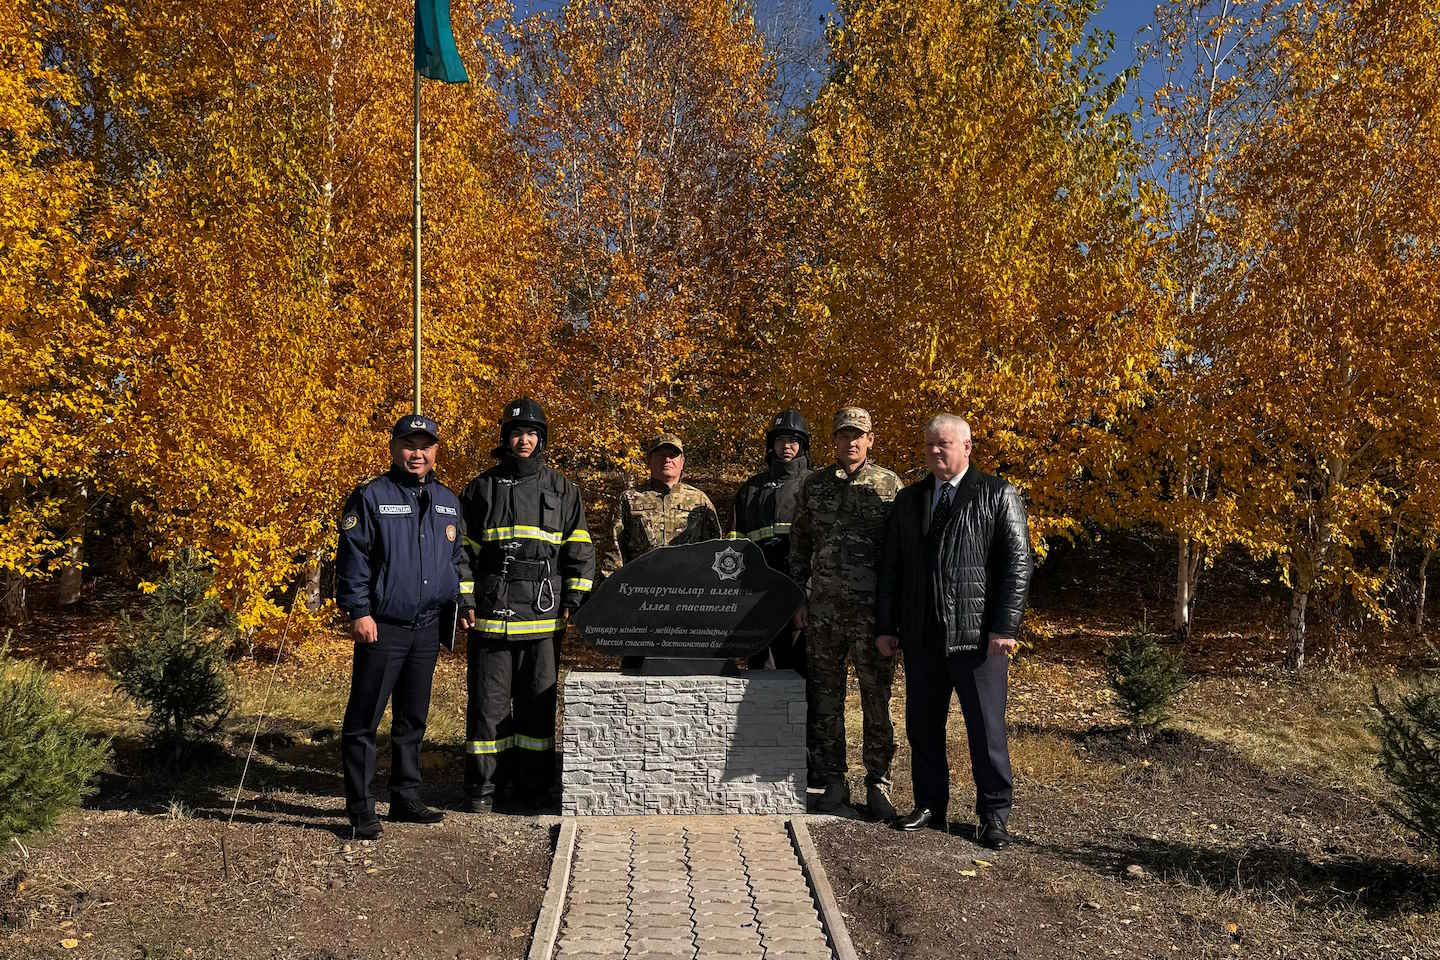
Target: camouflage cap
x=855, y=417
x=664, y=440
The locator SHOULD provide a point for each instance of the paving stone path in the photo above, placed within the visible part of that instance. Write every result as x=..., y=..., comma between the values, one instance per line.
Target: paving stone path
x=689, y=889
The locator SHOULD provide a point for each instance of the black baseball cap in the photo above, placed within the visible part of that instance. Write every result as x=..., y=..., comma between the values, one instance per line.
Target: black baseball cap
x=414, y=423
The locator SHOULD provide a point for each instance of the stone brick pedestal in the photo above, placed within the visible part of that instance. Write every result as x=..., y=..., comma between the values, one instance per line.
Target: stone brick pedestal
x=684, y=745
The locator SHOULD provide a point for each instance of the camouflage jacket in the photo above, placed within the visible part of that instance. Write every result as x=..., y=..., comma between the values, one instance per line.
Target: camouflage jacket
x=649, y=516
x=838, y=531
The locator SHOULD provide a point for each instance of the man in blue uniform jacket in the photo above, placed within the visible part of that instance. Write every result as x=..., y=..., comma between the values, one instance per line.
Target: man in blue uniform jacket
x=401, y=564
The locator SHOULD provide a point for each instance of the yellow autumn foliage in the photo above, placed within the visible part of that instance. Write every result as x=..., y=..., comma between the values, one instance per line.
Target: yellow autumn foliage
x=205, y=293
x=53, y=360
x=651, y=144
x=980, y=241
x=1324, y=375
x=258, y=159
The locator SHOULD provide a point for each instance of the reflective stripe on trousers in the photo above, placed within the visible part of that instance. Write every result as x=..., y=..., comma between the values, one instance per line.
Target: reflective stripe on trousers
x=515, y=740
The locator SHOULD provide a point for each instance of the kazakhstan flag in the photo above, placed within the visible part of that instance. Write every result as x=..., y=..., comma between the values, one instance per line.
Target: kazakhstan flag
x=435, y=53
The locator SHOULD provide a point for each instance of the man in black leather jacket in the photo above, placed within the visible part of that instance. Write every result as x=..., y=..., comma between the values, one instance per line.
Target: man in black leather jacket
x=952, y=581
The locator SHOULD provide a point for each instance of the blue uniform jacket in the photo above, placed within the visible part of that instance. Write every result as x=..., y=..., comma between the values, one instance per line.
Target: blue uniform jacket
x=401, y=555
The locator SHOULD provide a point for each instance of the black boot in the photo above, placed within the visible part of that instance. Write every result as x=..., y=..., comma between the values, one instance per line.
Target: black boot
x=878, y=805
x=366, y=826
x=836, y=795
x=412, y=811
x=481, y=804
x=992, y=832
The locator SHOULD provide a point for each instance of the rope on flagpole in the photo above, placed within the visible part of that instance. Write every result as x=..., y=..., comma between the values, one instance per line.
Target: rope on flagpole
x=415, y=240
x=255, y=735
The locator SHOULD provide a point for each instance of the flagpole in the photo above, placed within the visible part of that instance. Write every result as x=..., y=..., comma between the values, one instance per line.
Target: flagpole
x=415, y=240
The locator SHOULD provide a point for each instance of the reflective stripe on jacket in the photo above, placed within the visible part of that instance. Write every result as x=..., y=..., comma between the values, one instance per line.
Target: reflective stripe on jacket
x=765, y=508
x=530, y=551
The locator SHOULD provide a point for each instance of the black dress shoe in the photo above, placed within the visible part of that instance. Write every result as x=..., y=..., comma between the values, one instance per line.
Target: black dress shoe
x=919, y=819
x=993, y=834
x=366, y=827
x=413, y=811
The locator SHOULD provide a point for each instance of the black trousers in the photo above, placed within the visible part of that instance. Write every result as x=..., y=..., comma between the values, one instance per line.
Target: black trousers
x=510, y=716
x=786, y=653
x=981, y=683
x=400, y=663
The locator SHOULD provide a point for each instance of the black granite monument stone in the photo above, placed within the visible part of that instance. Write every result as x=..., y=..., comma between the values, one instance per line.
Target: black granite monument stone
x=713, y=600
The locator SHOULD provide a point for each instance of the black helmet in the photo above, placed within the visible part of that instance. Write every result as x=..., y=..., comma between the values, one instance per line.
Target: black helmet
x=788, y=422
x=522, y=413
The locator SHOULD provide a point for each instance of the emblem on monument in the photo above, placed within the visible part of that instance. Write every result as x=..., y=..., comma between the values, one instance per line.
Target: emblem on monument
x=729, y=564
x=714, y=599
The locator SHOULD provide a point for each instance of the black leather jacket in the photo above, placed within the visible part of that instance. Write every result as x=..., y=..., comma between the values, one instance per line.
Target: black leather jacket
x=979, y=565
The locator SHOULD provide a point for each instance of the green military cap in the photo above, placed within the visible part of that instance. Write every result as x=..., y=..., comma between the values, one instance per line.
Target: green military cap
x=664, y=440
x=855, y=417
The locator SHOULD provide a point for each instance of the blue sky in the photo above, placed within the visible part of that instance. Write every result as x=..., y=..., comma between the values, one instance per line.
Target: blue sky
x=1124, y=18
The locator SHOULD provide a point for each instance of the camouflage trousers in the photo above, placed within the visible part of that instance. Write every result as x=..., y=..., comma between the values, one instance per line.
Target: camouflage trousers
x=830, y=641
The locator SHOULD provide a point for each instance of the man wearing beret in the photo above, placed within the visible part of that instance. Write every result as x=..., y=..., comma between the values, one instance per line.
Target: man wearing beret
x=399, y=571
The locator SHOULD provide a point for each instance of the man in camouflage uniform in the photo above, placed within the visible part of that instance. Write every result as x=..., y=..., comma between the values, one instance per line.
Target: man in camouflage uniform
x=661, y=512
x=835, y=540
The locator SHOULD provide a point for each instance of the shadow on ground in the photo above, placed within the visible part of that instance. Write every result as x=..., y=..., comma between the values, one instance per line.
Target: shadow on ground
x=1378, y=886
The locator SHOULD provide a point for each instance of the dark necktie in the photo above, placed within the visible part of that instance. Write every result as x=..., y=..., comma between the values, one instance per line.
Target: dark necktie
x=942, y=509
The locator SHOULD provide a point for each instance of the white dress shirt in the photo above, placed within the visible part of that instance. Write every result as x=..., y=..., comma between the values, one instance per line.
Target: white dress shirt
x=953, y=483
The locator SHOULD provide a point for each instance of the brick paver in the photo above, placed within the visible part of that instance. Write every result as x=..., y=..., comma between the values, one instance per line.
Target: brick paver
x=711, y=888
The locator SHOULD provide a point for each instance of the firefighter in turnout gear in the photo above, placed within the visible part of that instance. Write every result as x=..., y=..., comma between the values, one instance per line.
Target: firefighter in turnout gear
x=533, y=563
x=764, y=509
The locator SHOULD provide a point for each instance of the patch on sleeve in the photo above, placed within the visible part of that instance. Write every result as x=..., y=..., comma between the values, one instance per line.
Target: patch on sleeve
x=348, y=523
x=450, y=532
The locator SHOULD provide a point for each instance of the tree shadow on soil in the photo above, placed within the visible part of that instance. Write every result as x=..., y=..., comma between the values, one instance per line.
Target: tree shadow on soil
x=1181, y=766
x=1199, y=767
x=1119, y=743
x=1379, y=887
x=143, y=774
x=293, y=778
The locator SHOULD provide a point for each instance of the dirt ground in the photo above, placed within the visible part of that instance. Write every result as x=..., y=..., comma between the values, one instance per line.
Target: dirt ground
x=142, y=872
x=1179, y=848
x=1254, y=829
x=1251, y=828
